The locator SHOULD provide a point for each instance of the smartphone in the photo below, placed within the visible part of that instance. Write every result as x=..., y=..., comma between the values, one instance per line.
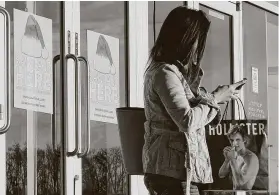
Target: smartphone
x=240, y=86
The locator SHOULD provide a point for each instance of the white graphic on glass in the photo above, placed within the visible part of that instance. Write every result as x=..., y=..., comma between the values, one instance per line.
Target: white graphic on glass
x=32, y=43
x=104, y=60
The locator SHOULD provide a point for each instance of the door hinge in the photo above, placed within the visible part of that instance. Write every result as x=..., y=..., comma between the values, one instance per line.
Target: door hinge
x=76, y=44
x=69, y=42
x=238, y=8
x=1, y=112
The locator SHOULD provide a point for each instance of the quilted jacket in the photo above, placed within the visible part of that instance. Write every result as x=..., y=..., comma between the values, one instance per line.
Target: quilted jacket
x=177, y=110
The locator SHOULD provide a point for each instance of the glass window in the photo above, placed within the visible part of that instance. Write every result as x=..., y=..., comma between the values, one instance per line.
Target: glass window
x=273, y=2
x=255, y=59
x=103, y=168
x=217, y=55
x=260, y=30
x=217, y=66
x=162, y=9
x=31, y=161
x=272, y=63
x=217, y=59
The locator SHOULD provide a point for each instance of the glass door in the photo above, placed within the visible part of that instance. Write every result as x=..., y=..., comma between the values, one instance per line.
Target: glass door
x=222, y=66
x=260, y=41
x=221, y=62
x=33, y=150
x=100, y=29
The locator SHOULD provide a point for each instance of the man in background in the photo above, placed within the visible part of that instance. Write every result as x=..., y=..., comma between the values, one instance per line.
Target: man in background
x=240, y=162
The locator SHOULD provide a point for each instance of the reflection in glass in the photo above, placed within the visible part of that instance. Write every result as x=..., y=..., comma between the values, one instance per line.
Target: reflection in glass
x=48, y=158
x=216, y=62
x=16, y=147
x=103, y=169
x=162, y=9
x=272, y=63
x=273, y=2
x=45, y=162
x=260, y=30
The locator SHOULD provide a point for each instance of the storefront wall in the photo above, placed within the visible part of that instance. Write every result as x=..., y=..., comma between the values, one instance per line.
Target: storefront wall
x=242, y=43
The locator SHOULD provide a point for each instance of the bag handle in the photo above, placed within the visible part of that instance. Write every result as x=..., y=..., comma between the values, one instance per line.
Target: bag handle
x=225, y=111
x=242, y=105
x=244, y=111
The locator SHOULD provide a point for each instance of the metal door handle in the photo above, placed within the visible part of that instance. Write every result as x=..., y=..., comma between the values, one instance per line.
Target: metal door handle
x=53, y=130
x=7, y=67
x=73, y=57
x=86, y=151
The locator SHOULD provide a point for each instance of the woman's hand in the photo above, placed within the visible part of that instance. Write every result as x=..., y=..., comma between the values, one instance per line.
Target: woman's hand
x=225, y=93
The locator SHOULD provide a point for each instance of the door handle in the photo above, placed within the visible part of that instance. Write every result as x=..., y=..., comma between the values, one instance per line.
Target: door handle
x=86, y=151
x=74, y=58
x=7, y=67
x=53, y=130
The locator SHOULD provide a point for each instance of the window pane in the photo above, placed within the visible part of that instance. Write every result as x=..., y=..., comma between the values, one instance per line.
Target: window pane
x=272, y=63
x=261, y=91
x=162, y=9
x=254, y=23
x=273, y=2
x=216, y=62
x=103, y=168
x=32, y=164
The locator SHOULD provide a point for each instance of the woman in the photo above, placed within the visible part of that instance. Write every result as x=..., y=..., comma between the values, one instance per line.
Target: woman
x=175, y=154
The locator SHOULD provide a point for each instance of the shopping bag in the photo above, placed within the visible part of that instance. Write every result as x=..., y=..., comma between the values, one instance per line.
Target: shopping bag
x=256, y=142
x=131, y=131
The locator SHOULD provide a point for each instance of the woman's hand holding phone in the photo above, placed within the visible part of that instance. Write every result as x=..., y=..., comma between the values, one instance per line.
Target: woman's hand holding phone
x=225, y=93
x=239, y=85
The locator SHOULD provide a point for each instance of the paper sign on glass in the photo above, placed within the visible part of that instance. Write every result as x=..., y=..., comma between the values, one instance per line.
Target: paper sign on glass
x=32, y=62
x=255, y=80
x=103, y=57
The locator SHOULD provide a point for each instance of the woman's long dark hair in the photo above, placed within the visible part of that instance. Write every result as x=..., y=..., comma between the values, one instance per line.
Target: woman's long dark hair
x=178, y=34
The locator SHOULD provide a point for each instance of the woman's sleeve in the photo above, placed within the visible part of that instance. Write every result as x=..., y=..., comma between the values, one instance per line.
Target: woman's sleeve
x=171, y=92
x=208, y=99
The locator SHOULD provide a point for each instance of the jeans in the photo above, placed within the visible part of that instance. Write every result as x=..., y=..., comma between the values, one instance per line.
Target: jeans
x=163, y=185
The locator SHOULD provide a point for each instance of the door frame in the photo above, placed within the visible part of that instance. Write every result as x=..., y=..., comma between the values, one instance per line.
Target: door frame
x=138, y=57
x=72, y=164
x=266, y=6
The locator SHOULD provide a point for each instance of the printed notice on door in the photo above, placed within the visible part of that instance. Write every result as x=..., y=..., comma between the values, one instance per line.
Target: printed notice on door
x=255, y=80
x=103, y=57
x=32, y=62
